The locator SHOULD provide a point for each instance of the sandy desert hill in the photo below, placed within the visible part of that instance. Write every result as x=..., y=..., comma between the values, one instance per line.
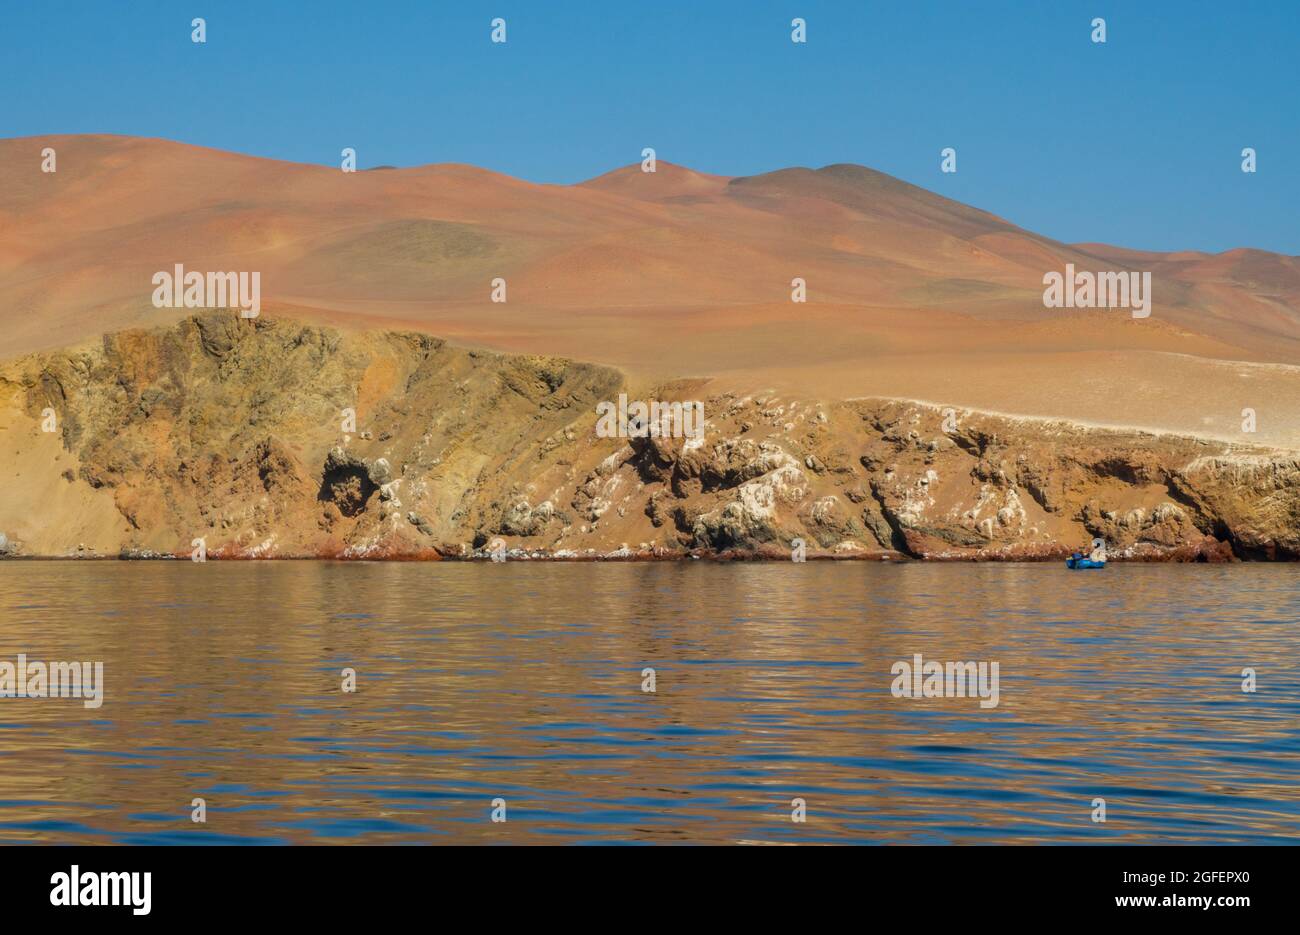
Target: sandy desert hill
x=135, y=430
x=671, y=274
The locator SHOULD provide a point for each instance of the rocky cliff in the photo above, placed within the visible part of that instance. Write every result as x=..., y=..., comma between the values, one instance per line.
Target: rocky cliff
x=271, y=438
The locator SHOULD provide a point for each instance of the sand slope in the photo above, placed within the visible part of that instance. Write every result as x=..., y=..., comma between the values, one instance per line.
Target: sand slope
x=669, y=274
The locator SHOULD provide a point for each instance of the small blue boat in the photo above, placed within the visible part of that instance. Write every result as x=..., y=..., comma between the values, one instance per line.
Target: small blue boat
x=1079, y=561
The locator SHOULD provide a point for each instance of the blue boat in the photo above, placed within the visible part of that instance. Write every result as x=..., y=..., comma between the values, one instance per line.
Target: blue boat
x=1079, y=561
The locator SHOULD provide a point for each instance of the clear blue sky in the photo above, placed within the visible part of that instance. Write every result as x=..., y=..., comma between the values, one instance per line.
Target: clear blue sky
x=1135, y=142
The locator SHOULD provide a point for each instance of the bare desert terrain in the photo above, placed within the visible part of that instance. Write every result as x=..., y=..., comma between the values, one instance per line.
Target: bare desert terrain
x=663, y=275
x=923, y=401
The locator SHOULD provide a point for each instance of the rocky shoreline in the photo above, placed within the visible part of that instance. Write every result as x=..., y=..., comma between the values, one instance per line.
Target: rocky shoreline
x=1210, y=550
x=268, y=438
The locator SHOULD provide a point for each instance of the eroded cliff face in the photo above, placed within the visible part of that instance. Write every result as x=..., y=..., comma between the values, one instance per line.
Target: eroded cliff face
x=236, y=432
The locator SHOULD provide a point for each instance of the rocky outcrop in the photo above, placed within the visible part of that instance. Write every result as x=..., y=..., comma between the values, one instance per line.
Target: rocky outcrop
x=271, y=438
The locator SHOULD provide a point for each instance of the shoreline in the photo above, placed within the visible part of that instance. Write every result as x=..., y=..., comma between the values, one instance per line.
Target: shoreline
x=1214, y=552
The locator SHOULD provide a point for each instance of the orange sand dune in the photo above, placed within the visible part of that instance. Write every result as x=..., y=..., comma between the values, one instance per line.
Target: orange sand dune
x=665, y=274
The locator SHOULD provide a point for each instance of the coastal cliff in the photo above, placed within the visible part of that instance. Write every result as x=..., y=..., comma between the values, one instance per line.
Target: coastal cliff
x=270, y=438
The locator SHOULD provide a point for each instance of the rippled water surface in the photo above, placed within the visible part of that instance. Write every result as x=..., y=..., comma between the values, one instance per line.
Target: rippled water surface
x=523, y=682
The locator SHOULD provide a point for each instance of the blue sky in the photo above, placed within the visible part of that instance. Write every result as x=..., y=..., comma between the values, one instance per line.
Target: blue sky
x=1135, y=142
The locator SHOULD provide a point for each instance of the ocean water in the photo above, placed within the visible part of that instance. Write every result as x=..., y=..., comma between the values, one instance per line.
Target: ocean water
x=522, y=683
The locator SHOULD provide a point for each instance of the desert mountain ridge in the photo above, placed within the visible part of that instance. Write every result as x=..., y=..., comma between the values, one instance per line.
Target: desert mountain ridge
x=663, y=275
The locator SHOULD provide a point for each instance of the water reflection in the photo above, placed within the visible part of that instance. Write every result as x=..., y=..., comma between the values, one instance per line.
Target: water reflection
x=524, y=682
